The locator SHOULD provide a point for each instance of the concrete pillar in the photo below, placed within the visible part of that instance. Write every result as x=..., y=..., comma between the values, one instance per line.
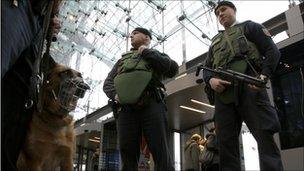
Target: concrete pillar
x=294, y=20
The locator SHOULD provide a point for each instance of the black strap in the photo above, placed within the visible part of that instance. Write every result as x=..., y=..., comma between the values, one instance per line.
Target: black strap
x=37, y=76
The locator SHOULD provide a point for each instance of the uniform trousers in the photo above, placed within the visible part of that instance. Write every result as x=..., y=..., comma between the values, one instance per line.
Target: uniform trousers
x=255, y=110
x=149, y=120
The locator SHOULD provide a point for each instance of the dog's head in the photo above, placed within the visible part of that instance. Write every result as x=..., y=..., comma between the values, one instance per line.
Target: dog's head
x=61, y=90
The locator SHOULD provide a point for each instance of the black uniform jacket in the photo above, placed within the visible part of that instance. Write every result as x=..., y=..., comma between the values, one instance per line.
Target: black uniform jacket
x=257, y=34
x=160, y=62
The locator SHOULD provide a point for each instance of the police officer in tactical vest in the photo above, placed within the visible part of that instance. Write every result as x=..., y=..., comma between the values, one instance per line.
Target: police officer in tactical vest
x=244, y=47
x=22, y=29
x=135, y=85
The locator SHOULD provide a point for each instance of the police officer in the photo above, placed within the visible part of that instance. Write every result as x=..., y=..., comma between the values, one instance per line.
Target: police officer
x=21, y=27
x=248, y=48
x=135, y=84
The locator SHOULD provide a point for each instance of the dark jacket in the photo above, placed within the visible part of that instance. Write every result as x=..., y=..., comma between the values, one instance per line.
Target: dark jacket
x=257, y=34
x=212, y=145
x=160, y=62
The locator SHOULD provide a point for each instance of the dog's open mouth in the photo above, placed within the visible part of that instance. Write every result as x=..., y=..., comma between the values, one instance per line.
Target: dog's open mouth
x=67, y=106
x=73, y=103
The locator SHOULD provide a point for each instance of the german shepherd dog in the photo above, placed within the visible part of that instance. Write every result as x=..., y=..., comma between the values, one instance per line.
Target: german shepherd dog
x=50, y=141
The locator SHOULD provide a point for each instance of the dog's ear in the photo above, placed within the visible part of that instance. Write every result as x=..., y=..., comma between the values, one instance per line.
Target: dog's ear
x=47, y=63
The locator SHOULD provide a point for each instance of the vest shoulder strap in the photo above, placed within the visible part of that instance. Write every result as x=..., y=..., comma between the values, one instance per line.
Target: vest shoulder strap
x=216, y=38
x=127, y=54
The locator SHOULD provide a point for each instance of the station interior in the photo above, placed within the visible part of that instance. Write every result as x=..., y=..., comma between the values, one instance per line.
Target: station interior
x=94, y=34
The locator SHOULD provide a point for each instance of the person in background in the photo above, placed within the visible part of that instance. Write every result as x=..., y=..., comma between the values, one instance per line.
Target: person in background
x=95, y=160
x=134, y=84
x=248, y=48
x=211, y=145
x=193, y=149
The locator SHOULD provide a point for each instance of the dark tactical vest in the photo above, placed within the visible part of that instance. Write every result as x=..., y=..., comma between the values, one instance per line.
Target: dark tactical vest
x=230, y=48
x=133, y=76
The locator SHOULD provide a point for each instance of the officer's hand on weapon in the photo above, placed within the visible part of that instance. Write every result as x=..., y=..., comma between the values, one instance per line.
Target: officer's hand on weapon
x=142, y=48
x=218, y=85
x=117, y=98
x=117, y=106
x=256, y=88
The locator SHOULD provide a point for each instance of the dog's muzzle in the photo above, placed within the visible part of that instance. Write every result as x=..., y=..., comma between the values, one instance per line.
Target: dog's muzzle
x=70, y=91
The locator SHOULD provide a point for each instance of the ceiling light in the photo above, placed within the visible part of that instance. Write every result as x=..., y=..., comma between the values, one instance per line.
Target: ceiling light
x=71, y=17
x=180, y=76
x=198, y=102
x=97, y=141
x=192, y=109
x=97, y=138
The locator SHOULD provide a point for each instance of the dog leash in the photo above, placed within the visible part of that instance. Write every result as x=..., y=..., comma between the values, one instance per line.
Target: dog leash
x=36, y=80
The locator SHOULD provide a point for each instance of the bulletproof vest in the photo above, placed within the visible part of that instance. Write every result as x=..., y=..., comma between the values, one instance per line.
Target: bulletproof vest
x=133, y=76
x=230, y=48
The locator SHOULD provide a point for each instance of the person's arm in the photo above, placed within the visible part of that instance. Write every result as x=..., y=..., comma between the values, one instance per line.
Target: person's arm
x=161, y=62
x=108, y=86
x=259, y=35
x=211, y=142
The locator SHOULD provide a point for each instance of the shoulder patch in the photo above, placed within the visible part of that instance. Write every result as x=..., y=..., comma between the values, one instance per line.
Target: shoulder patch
x=266, y=32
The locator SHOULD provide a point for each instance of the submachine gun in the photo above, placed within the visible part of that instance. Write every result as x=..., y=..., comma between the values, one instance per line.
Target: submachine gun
x=228, y=75
x=231, y=75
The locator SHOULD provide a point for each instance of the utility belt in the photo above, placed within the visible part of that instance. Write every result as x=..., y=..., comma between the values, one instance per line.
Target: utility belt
x=149, y=94
x=155, y=93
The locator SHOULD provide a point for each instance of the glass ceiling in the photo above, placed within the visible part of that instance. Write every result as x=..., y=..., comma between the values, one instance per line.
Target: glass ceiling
x=94, y=34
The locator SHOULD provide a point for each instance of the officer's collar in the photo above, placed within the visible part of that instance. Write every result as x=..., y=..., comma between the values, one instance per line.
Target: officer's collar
x=131, y=51
x=235, y=23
